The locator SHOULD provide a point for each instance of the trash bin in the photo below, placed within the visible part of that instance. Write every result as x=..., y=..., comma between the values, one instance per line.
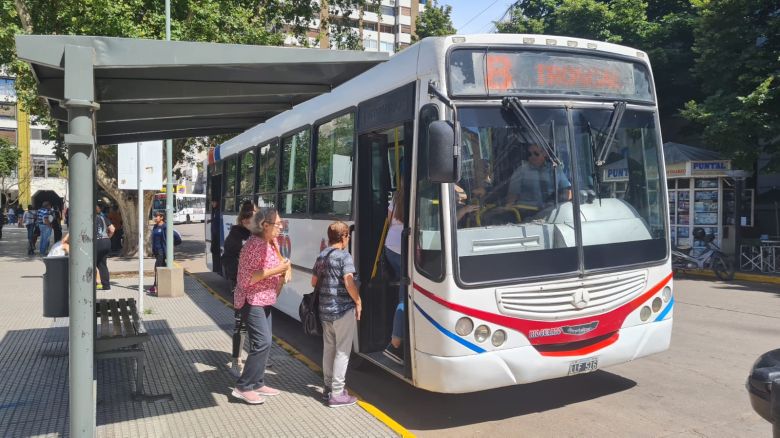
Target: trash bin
x=55, y=287
x=763, y=386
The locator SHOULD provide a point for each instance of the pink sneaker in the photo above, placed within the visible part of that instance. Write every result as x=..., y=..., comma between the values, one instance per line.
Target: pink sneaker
x=251, y=397
x=267, y=391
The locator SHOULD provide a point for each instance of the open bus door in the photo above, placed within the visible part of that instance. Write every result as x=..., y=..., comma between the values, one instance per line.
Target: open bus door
x=381, y=160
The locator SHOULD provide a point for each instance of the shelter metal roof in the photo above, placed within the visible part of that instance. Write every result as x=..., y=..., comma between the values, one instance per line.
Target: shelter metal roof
x=151, y=89
x=680, y=153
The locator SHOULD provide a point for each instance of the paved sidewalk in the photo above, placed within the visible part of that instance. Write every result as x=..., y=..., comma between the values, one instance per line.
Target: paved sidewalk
x=187, y=357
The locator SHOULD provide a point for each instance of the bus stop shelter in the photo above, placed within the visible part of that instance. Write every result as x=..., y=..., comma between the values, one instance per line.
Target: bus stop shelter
x=104, y=91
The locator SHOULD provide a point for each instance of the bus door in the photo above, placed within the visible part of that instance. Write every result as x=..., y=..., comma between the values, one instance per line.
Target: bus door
x=214, y=189
x=384, y=146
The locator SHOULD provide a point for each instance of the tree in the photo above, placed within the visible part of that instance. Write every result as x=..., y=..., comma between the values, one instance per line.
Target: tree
x=9, y=160
x=663, y=29
x=263, y=22
x=435, y=20
x=738, y=67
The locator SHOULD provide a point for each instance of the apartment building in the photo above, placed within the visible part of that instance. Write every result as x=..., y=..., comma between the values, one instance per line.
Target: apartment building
x=39, y=174
x=387, y=26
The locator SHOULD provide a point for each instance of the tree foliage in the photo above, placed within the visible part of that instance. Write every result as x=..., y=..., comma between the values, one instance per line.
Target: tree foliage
x=738, y=65
x=259, y=22
x=435, y=20
x=9, y=159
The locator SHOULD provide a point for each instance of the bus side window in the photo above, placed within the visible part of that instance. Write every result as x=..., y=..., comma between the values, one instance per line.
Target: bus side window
x=428, y=254
x=332, y=191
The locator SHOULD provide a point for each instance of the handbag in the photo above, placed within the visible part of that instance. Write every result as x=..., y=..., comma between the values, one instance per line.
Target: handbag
x=309, y=309
x=309, y=312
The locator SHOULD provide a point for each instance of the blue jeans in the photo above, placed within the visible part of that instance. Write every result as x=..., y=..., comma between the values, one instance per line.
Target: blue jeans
x=398, y=319
x=30, y=237
x=43, y=245
x=258, y=328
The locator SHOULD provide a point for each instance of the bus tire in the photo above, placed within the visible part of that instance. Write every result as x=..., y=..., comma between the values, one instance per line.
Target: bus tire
x=188, y=219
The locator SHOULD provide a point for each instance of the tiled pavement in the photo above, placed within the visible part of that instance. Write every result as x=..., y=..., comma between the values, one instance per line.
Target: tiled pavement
x=187, y=358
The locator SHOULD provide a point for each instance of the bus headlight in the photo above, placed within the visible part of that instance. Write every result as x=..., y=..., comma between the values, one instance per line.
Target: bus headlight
x=656, y=304
x=645, y=313
x=667, y=294
x=481, y=333
x=464, y=326
x=498, y=338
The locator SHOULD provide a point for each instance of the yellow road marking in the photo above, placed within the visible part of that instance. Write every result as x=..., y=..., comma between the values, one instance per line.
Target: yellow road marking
x=368, y=407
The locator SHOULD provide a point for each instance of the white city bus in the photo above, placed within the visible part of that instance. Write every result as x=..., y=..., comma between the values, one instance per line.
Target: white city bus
x=519, y=263
x=187, y=207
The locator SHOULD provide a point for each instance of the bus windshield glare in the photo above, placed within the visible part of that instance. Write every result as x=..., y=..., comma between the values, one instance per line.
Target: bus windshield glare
x=481, y=72
x=518, y=215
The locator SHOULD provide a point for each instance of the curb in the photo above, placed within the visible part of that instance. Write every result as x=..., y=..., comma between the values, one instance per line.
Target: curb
x=738, y=276
x=368, y=407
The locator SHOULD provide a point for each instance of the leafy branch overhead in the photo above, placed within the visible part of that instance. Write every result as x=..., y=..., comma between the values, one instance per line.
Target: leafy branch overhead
x=435, y=20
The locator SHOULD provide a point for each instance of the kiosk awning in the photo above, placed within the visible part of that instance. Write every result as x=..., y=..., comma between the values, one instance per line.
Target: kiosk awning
x=151, y=89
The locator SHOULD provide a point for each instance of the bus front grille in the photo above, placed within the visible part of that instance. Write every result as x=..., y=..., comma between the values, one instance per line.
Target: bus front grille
x=552, y=301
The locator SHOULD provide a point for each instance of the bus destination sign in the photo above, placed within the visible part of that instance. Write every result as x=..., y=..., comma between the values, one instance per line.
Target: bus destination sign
x=546, y=73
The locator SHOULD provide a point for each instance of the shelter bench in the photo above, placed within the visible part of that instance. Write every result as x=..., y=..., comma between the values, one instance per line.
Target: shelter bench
x=120, y=333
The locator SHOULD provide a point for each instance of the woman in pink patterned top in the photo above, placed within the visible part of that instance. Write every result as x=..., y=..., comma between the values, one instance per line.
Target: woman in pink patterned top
x=261, y=273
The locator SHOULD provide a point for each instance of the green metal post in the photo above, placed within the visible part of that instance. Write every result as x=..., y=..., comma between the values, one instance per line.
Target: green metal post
x=169, y=166
x=79, y=101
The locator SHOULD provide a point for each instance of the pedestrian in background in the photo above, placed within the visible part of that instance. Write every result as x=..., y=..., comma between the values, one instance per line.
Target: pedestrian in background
x=216, y=237
x=261, y=273
x=19, y=215
x=234, y=242
x=159, y=246
x=56, y=224
x=44, y=227
x=103, y=232
x=29, y=222
x=340, y=306
x=11, y=215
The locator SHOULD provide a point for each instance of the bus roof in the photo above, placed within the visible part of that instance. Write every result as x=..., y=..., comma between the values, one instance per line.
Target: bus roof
x=422, y=58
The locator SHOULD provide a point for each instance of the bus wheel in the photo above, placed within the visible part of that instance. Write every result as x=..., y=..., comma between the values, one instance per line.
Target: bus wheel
x=188, y=219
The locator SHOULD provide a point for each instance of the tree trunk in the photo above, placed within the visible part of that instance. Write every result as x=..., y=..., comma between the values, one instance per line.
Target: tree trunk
x=128, y=208
x=24, y=16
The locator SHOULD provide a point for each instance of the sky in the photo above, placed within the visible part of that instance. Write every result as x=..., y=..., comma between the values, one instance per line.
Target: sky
x=476, y=16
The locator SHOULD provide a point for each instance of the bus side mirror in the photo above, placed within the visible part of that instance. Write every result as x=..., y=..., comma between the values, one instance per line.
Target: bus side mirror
x=443, y=153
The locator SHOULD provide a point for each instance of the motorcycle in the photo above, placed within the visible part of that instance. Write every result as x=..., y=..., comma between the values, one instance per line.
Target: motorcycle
x=712, y=257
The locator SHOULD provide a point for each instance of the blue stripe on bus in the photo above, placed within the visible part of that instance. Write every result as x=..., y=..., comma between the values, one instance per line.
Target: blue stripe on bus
x=666, y=311
x=457, y=338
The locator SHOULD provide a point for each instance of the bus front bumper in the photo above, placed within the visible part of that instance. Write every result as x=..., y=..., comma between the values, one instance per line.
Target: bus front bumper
x=499, y=368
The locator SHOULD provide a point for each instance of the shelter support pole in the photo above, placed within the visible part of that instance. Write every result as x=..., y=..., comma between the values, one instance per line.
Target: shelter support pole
x=80, y=140
x=169, y=204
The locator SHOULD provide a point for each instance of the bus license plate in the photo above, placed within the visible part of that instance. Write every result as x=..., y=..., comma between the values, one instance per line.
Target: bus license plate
x=584, y=366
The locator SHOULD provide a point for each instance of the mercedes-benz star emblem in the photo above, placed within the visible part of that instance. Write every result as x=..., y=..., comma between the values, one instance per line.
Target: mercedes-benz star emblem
x=580, y=299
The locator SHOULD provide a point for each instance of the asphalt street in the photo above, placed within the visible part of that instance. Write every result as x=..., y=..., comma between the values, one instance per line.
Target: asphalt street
x=696, y=388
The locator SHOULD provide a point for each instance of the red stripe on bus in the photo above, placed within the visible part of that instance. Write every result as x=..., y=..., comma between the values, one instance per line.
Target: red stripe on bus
x=607, y=323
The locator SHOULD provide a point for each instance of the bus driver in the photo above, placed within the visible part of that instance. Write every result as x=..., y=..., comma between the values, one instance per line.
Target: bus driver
x=531, y=185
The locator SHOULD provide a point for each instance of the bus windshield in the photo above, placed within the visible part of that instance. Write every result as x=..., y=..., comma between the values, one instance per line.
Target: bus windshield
x=520, y=215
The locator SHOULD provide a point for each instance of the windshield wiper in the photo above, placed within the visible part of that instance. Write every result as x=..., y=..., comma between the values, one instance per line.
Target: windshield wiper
x=597, y=168
x=516, y=105
x=609, y=136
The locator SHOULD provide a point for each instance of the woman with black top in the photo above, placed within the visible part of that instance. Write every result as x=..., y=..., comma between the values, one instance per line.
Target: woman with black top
x=234, y=242
x=103, y=232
